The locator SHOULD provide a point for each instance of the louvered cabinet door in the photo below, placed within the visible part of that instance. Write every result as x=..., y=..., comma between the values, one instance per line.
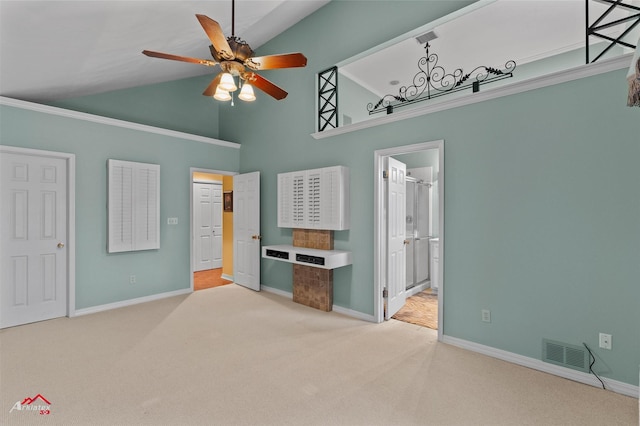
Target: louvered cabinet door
x=314, y=199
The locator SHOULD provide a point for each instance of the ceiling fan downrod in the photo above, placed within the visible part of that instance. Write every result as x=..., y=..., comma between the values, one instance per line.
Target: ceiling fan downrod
x=233, y=18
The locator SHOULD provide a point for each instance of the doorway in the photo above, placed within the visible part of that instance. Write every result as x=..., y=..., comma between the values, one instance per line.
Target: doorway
x=211, y=229
x=432, y=242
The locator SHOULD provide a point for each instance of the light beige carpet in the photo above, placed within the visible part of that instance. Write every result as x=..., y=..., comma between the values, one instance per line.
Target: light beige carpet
x=231, y=356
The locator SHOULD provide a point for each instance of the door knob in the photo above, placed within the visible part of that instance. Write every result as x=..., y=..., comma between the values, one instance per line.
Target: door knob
x=60, y=245
x=256, y=237
x=406, y=242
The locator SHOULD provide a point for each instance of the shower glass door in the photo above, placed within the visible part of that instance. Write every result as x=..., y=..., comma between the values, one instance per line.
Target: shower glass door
x=417, y=232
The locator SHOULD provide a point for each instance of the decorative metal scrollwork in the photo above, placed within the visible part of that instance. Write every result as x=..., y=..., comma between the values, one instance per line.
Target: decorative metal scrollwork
x=432, y=81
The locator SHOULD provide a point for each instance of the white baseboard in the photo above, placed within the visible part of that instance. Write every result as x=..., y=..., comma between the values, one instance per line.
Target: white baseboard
x=354, y=314
x=335, y=308
x=276, y=291
x=417, y=289
x=227, y=277
x=123, y=303
x=567, y=373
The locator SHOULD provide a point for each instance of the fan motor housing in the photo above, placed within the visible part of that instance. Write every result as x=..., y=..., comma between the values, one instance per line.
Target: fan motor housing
x=241, y=50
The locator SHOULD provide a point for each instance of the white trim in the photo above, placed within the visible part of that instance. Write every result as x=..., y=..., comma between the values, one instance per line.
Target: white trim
x=417, y=289
x=47, y=109
x=71, y=214
x=338, y=309
x=276, y=291
x=567, y=373
x=353, y=314
x=226, y=277
x=576, y=73
x=130, y=302
x=379, y=228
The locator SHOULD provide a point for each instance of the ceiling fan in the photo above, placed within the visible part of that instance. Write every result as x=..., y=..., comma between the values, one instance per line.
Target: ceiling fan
x=236, y=59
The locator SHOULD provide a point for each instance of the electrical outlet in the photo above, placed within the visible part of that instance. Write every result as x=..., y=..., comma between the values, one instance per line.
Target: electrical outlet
x=172, y=221
x=132, y=279
x=486, y=315
x=605, y=341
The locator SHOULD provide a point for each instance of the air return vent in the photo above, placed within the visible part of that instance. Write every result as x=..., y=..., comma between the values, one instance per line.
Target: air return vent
x=426, y=37
x=566, y=355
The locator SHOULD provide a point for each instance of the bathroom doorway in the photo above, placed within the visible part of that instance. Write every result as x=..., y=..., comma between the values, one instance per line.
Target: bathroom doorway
x=424, y=234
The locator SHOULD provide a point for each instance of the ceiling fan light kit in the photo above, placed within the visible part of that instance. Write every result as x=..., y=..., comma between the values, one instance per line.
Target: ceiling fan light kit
x=246, y=93
x=222, y=95
x=227, y=83
x=234, y=56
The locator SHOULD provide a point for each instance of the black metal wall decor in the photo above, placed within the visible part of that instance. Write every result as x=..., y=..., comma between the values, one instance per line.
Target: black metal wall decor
x=328, y=99
x=593, y=30
x=432, y=81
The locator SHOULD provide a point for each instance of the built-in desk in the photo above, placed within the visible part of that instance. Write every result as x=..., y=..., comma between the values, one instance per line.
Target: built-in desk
x=325, y=259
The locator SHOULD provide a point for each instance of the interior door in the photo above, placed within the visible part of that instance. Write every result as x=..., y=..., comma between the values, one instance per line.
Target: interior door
x=246, y=230
x=217, y=226
x=396, y=242
x=203, y=226
x=33, y=223
x=207, y=218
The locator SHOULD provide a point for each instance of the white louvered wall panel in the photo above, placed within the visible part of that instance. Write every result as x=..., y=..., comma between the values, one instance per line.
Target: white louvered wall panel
x=133, y=206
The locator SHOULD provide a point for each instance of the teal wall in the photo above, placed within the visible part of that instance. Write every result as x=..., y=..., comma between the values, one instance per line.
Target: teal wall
x=103, y=278
x=542, y=211
x=175, y=105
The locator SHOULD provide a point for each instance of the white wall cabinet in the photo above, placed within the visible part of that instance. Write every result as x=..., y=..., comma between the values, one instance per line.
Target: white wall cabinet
x=314, y=199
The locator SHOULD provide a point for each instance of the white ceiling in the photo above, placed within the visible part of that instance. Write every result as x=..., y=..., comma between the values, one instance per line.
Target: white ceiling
x=52, y=50
x=491, y=35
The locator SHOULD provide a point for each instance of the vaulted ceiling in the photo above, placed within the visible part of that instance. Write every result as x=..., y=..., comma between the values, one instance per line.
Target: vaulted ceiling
x=52, y=50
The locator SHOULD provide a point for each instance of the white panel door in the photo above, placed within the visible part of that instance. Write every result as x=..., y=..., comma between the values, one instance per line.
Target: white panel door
x=33, y=281
x=203, y=226
x=246, y=230
x=396, y=242
x=216, y=225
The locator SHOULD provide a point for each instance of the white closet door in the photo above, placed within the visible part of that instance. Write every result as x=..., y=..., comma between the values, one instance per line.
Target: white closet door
x=33, y=220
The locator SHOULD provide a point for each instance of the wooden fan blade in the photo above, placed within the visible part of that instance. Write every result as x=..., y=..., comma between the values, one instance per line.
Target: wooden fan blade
x=211, y=88
x=160, y=55
x=215, y=34
x=287, y=60
x=266, y=86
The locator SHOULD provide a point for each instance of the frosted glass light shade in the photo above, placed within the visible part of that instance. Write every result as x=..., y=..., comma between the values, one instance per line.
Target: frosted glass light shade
x=221, y=94
x=227, y=83
x=246, y=94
